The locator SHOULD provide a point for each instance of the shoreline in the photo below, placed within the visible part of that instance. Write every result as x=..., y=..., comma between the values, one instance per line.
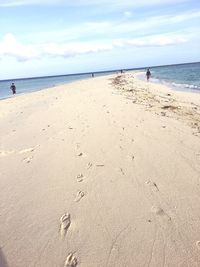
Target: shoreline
x=137, y=72
x=179, y=88
x=41, y=88
x=54, y=83
x=161, y=99
x=100, y=172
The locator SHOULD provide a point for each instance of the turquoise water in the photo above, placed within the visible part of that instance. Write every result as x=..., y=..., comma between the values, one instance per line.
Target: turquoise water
x=180, y=77
x=35, y=84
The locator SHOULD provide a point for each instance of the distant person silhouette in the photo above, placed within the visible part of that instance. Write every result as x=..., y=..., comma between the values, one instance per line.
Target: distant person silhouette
x=13, y=88
x=148, y=74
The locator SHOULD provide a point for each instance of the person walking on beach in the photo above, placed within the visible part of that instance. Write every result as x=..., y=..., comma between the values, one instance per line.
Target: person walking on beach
x=13, y=88
x=148, y=74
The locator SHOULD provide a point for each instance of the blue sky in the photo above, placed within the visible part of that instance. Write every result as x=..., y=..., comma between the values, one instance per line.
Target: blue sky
x=47, y=37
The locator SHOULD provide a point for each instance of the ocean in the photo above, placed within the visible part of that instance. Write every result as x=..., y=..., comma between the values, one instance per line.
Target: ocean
x=179, y=77
x=27, y=85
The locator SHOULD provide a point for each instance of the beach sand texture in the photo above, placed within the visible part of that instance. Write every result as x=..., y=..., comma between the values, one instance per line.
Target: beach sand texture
x=103, y=172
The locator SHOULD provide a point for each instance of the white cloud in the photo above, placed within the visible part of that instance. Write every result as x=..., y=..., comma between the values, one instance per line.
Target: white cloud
x=73, y=49
x=153, y=40
x=75, y=32
x=184, y=16
x=10, y=47
x=158, y=40
x=114, y=29
x=155, y=22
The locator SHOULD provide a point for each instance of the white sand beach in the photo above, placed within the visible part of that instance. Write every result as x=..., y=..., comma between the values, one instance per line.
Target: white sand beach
x=103, y=172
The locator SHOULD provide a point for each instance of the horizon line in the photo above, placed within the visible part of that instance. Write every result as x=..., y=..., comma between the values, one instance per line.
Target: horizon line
x=101, y=71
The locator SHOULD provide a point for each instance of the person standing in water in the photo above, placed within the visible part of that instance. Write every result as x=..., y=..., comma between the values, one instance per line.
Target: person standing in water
x=13, y=88
x=148, y=74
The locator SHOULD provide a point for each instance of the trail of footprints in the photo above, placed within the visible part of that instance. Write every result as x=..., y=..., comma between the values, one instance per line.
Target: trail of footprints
x=156, y=209
x=65, y=222
x=65, y=219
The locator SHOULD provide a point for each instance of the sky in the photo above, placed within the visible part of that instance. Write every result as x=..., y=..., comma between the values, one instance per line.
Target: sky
x=53, y=37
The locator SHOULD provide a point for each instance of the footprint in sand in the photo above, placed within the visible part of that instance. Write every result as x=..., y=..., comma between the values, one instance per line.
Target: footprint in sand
x=79, y=195
x=153, y=184
x=89, y=165
x=100, y=165
x=81, y=154
x=121, y=171
x=80, y=177
x=65, y=222
x=71, y=261
x=132, y=157
x=28, y=159
x=159, y=211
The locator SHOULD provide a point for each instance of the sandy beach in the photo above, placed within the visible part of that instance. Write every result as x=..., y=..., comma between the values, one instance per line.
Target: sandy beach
x=103, y=172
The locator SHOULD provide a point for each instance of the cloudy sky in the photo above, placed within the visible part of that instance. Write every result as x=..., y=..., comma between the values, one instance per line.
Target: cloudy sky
x=47, y=37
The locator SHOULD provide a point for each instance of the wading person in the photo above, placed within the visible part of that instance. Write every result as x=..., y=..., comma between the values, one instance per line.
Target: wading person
x=13, y=88
x=148, y=74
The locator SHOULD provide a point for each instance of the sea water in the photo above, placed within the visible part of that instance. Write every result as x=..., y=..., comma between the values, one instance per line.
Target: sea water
x=179, y=77
x=27, y=85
